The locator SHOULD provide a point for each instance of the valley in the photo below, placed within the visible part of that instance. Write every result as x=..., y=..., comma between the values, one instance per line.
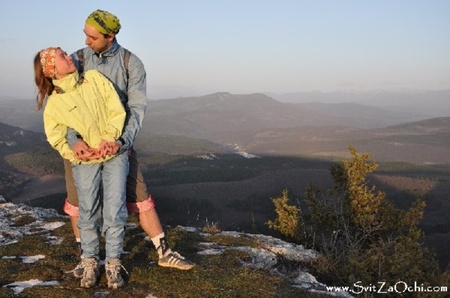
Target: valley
x=195, y=155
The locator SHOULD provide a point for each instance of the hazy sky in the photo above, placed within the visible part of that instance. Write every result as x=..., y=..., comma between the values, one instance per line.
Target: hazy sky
x=196, y=47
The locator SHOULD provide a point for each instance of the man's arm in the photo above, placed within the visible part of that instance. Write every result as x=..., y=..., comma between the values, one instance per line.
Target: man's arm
x=137, y=101
x=72, y=137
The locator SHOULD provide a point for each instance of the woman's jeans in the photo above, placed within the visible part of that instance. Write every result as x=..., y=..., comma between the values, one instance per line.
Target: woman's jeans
x=102, y=195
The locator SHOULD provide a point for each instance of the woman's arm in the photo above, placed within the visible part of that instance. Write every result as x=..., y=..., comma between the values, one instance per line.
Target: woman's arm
x=56, y=136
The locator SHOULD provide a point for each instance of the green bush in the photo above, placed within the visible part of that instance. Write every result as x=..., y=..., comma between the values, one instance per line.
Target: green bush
x=361, y=236
x=287, y=222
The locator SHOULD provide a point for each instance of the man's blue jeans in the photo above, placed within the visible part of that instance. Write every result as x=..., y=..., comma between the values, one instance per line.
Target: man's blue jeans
x=101, y=191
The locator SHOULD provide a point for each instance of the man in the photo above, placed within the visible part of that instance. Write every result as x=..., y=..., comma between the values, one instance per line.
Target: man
x=128, y=75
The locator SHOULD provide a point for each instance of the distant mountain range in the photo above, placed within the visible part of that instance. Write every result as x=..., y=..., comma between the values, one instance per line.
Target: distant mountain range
x=260, y=124
x=15, y=139
x=429, y=104
x=21, y=113
x=222, y=112
x=357, y=109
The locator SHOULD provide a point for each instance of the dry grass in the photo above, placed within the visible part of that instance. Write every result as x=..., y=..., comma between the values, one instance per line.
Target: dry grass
x=214, y=276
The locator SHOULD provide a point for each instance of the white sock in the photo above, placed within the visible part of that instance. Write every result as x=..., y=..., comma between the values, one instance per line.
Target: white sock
x=157, y=243
x=78, y=242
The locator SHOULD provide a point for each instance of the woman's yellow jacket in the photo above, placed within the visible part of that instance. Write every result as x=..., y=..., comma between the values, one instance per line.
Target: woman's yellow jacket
x=90, y=106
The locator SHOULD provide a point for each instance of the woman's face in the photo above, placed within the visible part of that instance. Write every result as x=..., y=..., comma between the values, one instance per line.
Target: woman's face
x=63, y=64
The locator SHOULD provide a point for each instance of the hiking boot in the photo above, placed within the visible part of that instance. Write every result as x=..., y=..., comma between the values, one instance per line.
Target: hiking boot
x=112, y=269
x=79, y=269
x=90, y=272
x=175, y=260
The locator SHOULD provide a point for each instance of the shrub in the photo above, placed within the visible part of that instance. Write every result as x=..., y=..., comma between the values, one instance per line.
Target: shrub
x=360, y=235
x=287, y=222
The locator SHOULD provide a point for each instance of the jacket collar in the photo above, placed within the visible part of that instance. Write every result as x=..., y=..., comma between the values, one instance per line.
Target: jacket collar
x=110, y=52
x=67, y=84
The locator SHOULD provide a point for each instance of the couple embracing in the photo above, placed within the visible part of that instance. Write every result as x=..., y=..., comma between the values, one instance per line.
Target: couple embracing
x=94, y=103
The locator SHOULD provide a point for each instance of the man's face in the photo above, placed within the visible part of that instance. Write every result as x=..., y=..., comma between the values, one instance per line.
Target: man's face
x=96, y=40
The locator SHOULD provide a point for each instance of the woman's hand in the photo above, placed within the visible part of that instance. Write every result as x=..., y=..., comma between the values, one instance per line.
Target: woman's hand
x=82, y=151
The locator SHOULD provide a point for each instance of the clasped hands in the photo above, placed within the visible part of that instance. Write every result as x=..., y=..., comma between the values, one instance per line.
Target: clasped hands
x=85, y=153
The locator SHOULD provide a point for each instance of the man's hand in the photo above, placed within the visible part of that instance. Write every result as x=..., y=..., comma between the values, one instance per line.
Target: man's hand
x=82, y=151
x=107, y=148
x=113, y=148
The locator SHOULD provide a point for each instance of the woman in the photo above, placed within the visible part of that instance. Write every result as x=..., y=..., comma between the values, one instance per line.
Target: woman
x=90, y=105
